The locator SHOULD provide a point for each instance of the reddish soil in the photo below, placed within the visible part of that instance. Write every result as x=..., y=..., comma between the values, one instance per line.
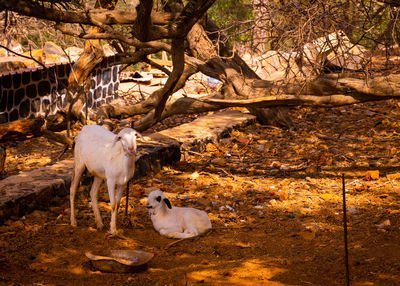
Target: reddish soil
x=273, y=196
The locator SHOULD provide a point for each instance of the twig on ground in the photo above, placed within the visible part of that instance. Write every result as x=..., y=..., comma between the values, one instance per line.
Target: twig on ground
x=344, y=138
x=62, y=152
x=195, y=153
x=190, y=238
x=227, y=173
x=174, y=242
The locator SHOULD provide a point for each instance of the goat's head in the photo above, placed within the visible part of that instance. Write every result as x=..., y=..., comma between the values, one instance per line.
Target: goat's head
x=157, y=200
x=127, y=137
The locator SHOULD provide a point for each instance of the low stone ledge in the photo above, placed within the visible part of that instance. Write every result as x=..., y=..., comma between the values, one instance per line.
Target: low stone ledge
x=36, y=189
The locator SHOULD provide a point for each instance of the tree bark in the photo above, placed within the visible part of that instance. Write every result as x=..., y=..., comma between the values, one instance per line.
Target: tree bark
x=78, y=81
x=3, y=155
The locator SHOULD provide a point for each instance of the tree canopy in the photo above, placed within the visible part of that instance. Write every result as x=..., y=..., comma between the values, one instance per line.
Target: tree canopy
x=326, y=50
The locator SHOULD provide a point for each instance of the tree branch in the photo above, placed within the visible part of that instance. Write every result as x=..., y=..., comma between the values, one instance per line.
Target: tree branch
x=28, y=8
x=143, y=24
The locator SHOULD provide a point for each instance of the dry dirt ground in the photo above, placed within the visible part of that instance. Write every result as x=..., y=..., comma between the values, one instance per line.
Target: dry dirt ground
x=273, y=196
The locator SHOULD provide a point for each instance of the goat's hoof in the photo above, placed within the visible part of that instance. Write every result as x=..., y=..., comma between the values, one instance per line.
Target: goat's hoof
x=100, y=226
x=73, y=223
x=114, y=232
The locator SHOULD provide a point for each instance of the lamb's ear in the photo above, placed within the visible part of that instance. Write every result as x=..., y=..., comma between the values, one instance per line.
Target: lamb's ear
x=167, y=202
x=158, y=199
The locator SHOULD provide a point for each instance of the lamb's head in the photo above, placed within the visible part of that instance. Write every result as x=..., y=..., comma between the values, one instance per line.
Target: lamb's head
x=127, y=137
x=157, y=200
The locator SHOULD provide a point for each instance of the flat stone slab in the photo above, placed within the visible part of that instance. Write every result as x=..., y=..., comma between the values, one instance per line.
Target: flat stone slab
x=209, y=128
x=37, y=189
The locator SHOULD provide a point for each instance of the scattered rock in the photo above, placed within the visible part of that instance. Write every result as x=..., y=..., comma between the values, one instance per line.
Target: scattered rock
x=194, y=175
x=383, y=225
x=353, y=210
x=372, y=175
x=307, y=235
x=273, y=202
x=313, y=227
x=211, y=147
x=393, y=176
x=242, y=245
x=52, y=48
x=38, y=267
x=276, y=165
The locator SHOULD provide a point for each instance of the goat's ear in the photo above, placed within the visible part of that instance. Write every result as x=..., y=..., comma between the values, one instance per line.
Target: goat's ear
x=117, y=138
x=140, y=135
x=158, y=199
x=167, y=202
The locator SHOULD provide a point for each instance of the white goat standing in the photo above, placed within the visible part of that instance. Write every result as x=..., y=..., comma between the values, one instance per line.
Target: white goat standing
x=109, y=157
x=175, y=222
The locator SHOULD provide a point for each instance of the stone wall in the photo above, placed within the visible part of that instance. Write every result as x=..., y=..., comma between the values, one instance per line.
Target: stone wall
x=38, y=91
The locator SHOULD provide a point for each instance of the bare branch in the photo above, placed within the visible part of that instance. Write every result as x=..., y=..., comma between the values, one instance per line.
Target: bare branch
x=28, y=8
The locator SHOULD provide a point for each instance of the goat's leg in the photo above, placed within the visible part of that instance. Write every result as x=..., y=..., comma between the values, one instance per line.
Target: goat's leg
x=111, y=192
x=95, y=206
x=76, y=177
x=118, y=196
x=120, y=191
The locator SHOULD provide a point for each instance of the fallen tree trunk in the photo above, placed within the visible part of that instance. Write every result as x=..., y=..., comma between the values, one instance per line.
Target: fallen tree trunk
x=329, y=90
x=189, y=105
x=21, y=129
x=24, y=129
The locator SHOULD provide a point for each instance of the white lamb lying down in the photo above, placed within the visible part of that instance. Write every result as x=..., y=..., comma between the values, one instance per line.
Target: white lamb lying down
x=175, y=222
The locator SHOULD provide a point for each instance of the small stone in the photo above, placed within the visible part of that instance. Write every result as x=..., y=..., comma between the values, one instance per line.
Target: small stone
x=307, y=235
x=386, y=223
x=229, y=208
x=194, y=175
x=38, y=267
x=372, y=175
x=313, y=227
x=211, y=147
x=276, y=165
x=352, y=210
